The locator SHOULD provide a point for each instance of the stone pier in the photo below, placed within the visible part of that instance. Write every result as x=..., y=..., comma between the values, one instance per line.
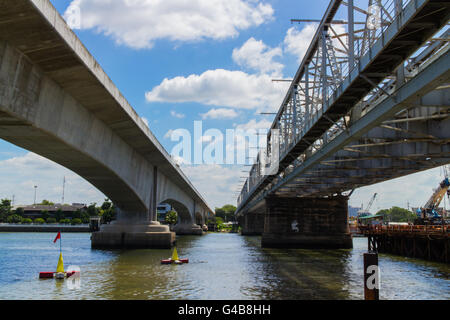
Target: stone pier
x=122, y=234
x=252, y=224
x=188, y=229
x=306, y=223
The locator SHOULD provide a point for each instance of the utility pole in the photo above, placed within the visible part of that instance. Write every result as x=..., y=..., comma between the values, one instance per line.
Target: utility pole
x=35, y=188
x=64, y=186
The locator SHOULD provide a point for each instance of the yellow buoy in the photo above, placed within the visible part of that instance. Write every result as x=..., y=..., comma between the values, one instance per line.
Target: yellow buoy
x=60, y=267
x=175, y=254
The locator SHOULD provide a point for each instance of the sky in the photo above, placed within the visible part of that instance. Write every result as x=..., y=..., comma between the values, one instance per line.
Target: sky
x=182, y=61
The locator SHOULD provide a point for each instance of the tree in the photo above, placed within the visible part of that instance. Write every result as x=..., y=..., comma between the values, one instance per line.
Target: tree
x=171, y=217
x=47, y=203
x=77, y=214
x=226, y=212
x=85, y=217
x=45, y=215
x=39, y=221
x=107, y=211
x=75, y=222
x=5, y=209
x=106, y=205
x=59, y=215
x=92, y=210
x=27, y=221
x=14, y=219
x=396, y=214
x=20, y=212
x=51, y=220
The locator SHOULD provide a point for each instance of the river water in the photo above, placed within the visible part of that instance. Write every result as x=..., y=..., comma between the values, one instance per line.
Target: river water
x=222, y=266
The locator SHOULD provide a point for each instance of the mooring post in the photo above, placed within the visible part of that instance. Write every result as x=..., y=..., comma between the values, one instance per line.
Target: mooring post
x=371, y=276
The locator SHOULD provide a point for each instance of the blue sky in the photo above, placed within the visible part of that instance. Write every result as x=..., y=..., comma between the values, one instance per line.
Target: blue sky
x=180, y=61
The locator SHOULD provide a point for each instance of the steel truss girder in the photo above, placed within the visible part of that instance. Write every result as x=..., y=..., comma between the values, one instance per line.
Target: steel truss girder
x=434, y=75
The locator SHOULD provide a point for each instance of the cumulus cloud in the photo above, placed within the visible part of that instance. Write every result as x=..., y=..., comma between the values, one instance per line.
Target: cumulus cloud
x=297, y=41
x=253, y=124
x=139, y=23
x=215, y=182
x=256, y=55
x=414, y=189
x=168, y=134
x=20, y=174
x=221, y=113
x=221, y=87
x=177, y=115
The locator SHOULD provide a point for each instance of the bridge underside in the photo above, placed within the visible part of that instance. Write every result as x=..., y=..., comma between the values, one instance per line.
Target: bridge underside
x=395, y=123
x=56, y=101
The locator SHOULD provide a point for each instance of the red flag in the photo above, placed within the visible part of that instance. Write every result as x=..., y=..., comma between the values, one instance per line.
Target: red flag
x=57, y=237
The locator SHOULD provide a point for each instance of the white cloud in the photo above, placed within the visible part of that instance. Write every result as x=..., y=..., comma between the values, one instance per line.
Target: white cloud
x=255, y=125
x=221, y=87
x=20, y=174
x=216, y=183
x=169, y=133
x=297, y=41
x=138, y=23
x=177, y=115
x=414, y=189
x=220, y=113
x=256, y=55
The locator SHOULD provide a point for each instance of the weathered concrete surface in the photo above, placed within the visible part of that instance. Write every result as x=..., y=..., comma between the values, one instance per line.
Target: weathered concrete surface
x=125, y=235
x=306, y=223
x=252, y=224
x=56, y=101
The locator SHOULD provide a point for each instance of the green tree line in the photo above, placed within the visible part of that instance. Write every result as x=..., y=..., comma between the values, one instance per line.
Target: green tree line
x=107, y=211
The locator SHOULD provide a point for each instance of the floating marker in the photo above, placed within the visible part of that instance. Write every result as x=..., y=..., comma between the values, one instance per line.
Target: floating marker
x=60, y=267
x=175, y=259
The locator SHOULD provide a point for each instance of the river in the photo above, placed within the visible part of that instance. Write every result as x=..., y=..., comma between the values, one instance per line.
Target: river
x=222, y=267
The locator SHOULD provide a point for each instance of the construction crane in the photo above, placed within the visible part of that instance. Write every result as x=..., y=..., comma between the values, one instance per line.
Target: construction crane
x=428, y=214
x=367, y=212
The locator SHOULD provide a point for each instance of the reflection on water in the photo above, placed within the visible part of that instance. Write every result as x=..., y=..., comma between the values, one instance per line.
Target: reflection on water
x=222, y=266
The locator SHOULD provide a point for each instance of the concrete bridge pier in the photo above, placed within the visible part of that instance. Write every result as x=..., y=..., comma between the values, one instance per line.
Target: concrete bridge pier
x=123, y=234
x=306, y=223
x=188, y=229
x=134, y=232
x=252, y=224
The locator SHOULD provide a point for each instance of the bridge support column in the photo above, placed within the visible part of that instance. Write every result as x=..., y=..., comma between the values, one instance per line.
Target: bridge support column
x=188, y=229
x=252, y=224
x=124, y=234
x=306, y=223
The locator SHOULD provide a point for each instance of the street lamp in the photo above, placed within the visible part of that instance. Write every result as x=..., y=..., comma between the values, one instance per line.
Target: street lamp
x=35, y=188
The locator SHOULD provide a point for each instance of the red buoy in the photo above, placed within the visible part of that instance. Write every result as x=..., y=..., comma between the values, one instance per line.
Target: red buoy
x=46, y=275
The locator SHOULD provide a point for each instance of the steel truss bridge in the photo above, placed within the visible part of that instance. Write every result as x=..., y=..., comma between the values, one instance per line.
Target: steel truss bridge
x=369, y=102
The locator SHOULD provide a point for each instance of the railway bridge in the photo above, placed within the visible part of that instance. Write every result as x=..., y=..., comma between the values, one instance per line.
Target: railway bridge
x=56, y=101
x=370, y=102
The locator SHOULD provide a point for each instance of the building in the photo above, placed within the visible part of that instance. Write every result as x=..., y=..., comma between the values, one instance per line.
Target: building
x=162, y=211
x=38, y=210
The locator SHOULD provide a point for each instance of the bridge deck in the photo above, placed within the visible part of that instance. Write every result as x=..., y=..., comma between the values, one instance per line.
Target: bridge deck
x=418, y=21
x=35, y=28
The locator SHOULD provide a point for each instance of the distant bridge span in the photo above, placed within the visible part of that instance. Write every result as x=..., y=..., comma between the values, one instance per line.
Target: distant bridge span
x=365, y=106
x=56, y=101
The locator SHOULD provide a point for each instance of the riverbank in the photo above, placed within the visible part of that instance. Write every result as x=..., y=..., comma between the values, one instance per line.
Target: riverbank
x=43, y=228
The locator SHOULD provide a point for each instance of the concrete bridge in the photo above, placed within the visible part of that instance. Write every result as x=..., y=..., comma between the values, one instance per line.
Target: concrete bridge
x=366, y=105
x=56, y=101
